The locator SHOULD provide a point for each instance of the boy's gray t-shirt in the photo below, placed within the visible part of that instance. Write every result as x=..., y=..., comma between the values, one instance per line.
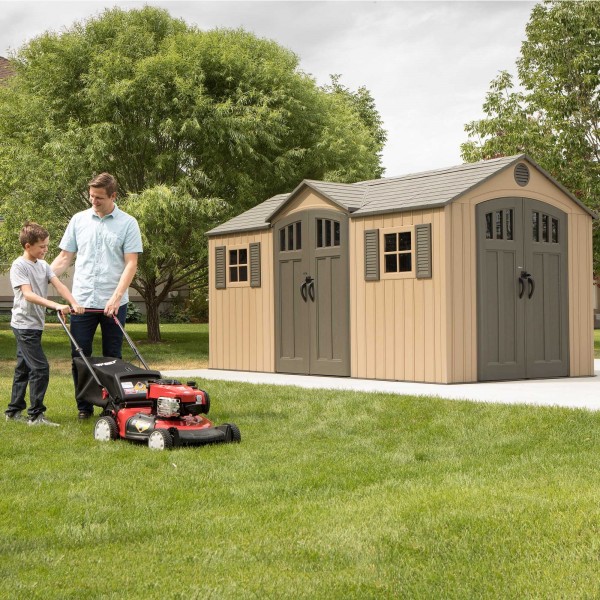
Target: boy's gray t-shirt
x=26, y=315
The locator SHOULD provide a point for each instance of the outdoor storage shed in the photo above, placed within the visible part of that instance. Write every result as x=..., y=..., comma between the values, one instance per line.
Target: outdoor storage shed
x=477, y=272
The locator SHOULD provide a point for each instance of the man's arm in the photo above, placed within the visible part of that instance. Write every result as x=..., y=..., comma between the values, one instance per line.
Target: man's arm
x=131, y=261
x=62, y=262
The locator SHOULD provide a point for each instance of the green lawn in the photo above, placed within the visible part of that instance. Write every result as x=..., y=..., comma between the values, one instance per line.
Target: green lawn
x=329, y=495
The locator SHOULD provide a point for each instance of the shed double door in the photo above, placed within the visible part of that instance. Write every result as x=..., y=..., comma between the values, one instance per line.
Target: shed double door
x=312, y=294
x=522, y=290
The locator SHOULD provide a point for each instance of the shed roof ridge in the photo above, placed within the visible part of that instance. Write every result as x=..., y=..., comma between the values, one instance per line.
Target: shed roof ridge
x=443, y=170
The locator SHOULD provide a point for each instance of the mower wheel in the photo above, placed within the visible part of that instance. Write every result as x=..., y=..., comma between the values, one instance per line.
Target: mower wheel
x=207, y=406
x=160, y=439
x=236, y=436
x=106, y=429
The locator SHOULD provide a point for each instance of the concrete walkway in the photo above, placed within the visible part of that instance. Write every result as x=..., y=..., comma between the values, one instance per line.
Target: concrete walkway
x=576, y=392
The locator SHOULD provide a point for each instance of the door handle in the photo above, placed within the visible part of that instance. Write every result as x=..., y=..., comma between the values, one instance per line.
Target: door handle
x=306, y=286
x=531, y=286
x=521, y=287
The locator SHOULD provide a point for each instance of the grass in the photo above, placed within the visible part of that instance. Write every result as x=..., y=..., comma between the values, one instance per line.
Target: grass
x=329, y=495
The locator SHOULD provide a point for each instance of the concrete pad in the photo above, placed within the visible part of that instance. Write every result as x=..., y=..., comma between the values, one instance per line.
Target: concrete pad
x=575, y=392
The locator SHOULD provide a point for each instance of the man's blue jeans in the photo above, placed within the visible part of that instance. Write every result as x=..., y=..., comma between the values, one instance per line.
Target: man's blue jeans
x=32, y=368
x=83, y=329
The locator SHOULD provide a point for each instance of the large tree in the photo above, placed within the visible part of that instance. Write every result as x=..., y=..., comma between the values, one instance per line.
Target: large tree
x=554, y=114
x=202, y=124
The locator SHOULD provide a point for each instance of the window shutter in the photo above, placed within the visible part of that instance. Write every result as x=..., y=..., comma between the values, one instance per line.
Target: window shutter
x=255, y=264
x=220, y=268
x=372, y=255
x=423, y=250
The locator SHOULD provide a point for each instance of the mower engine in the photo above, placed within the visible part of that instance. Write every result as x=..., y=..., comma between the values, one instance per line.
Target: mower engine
x=172, y=399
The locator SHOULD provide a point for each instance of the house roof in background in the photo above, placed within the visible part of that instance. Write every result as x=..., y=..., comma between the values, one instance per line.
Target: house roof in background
x=6, y=69
x=416, y=191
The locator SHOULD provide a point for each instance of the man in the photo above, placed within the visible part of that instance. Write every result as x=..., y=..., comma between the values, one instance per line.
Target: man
x=107, y=242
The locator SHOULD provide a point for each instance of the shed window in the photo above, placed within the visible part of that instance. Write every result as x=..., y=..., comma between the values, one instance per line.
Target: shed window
x=499, y=225
x=544, y=228
x=290, y=237
x=328, y=233
x=238, y=265
x=398, y=252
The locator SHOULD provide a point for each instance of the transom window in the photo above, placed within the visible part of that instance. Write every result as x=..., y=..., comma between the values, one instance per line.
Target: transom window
x=328, y=233
x=499, y=225
x=544, y=228
x=398, y=252
x=290, y=237
x=238, y=265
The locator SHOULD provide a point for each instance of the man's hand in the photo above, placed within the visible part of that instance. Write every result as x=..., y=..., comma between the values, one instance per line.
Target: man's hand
x=112, y=306
x=78, y=310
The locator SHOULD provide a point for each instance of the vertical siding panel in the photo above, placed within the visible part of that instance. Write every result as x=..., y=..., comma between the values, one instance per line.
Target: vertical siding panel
x=470, y=318
x=445, y=258
x=370, y=322
x=225, y=326
x=400, y=309
x=409, y=330
x=457, y=283
x=352, y=291
x=247, y=324
x=212, y=334
x=390, y=328
x=429, y=308
x=358, y=335
x=268, y=307
x=420, y=315
x=380, y=327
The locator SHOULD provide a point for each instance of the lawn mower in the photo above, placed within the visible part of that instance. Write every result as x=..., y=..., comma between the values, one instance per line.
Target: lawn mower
x=139, y=405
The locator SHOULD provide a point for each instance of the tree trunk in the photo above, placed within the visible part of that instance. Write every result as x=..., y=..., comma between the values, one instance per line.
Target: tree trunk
x=153, y=320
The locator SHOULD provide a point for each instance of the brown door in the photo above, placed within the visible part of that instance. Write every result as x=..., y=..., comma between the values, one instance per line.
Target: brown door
x=312, y=294
x=522, y=312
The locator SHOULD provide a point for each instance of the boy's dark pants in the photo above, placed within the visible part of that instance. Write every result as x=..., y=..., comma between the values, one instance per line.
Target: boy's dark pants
x=33, y=369
x=83, y=329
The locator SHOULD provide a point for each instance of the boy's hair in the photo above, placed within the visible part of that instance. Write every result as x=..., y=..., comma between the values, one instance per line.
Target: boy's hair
x=32, y=233
x=106, y=181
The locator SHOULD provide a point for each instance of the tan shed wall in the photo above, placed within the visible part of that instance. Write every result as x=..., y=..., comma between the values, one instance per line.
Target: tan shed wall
x=241, y=333
x=398, y=327
x=461, y=251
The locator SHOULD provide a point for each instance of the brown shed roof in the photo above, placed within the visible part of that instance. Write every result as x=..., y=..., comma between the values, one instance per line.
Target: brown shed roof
x=416, y=191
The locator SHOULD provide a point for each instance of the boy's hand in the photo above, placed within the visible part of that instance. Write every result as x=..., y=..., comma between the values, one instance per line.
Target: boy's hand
x=65, y=309
x=78, y=310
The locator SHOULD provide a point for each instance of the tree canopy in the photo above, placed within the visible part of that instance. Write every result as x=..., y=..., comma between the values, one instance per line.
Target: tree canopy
x=554, y=113
x=219, y=119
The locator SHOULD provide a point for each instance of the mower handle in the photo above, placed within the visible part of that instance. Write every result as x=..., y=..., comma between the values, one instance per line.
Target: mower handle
x=77, y=347
x=125, y=334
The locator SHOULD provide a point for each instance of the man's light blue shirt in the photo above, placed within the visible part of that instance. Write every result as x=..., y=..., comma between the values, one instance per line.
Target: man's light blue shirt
x=101, y=244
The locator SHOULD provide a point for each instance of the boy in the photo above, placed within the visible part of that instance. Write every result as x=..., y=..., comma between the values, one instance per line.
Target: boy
x=29, y=278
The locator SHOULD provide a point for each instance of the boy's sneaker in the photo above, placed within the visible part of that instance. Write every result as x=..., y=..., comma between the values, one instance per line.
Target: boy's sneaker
x=17, y=416
x=41, y=420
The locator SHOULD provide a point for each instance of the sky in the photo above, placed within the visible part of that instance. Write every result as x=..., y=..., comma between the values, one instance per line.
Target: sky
x=428, y=65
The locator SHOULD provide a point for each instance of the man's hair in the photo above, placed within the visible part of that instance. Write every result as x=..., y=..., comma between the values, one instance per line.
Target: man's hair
x=105, y=181
x=32, y=233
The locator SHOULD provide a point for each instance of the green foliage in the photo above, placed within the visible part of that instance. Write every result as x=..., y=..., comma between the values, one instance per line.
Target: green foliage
x=554, y=115
x=134, y=314
x=209, y=123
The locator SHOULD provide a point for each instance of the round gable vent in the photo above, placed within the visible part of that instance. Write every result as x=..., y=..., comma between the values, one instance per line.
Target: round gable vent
x=522, y=174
